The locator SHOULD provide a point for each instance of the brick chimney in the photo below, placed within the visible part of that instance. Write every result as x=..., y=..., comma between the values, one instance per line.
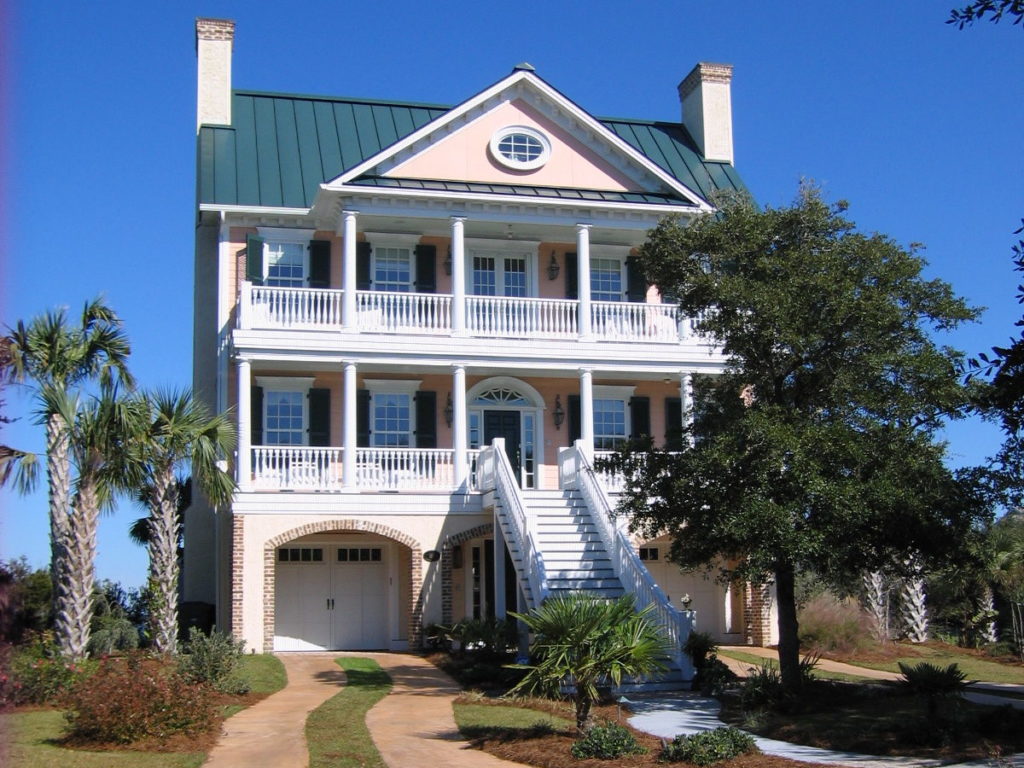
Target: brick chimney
x=706, y=98
x=214, y=40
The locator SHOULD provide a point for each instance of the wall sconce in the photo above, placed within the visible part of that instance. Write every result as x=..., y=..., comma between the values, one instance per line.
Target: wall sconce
x=449, y=410
x=448, y=262
x=553, y=268
x=558, y=415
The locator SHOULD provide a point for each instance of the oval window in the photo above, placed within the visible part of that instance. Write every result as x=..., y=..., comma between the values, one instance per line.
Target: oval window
x=520, y=148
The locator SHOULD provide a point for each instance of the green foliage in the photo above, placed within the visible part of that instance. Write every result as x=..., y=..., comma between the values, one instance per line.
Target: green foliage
x=606, y=742
x=762, y=688
x=820, y=445
x=993, y=10
x=212, y=659
x=29, y=594
x=484, y=639
x=111, y=628
x=35, y=673
x=585, y=641
x=134, y=698
x=708, y=747
x=698, y=646
x=712, y=674
x=939, y=687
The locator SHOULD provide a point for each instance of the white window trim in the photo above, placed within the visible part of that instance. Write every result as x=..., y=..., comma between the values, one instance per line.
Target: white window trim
x=520, y=165
x=300, y=384
x=617, y=252
x=621, y=393
x=483, y=246
x=398, y=240
x=393, y=386
x=271, y=235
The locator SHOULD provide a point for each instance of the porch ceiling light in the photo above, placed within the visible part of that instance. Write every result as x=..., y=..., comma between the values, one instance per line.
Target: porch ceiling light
x=449, y=410
x=558, y=415
x=553, y=268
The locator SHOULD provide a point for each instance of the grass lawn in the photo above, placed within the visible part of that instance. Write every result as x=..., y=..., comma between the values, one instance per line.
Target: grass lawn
x=35, y=735
x=33, y=743
x=976, y=667
x=477, y=721
x=336, y=730
x=757, y=661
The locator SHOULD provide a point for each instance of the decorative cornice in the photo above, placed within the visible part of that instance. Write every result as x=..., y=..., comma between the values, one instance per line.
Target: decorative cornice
x=705, y=72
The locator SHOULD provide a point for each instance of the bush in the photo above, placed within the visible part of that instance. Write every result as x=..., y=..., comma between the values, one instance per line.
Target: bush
x=212, y=659
x=828, y=624
x=698, y=646
x=484, y=638
x=606, y=742
x=708, y=747
x=113, y=633
x=762, y=689
x=35, y=673
x=135, y=698
x=939, y=687
x=713, y=676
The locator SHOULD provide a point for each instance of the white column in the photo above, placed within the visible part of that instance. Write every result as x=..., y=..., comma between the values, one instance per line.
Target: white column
x=348, y=270
x=458, y=274
x=244, y=464
x=459, y=426
x=348, y=442
x=583, y=278
x=587, y=410
x=686, y=396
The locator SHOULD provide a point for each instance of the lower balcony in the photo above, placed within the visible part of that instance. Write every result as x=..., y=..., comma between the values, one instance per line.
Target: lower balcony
x=274, y=308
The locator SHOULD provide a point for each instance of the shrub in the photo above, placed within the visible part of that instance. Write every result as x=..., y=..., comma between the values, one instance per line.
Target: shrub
x=484, y=638
x=212, y=659
x=698, y=646
x=762, y=689
x=134, y=698
x=713, y=676
x=708, y=747
x=36, y=674
x=114, y=633
x=828, y=624
x=936, y=685
x=606, y=742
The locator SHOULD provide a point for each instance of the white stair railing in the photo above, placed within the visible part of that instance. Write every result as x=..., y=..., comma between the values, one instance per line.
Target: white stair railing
x=389, y=311
x=635, y=577
x=505, y=316
x=495, y=472
x=296, y=468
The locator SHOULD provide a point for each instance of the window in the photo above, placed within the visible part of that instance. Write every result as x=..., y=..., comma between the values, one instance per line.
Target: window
x=285, y=409
x=648, y=553
x=392, y=269
x=520, y=148
x=606, y=279
x=359, y=554
x=391, y=412
x=611, y=416
x=285, y=256
x=497, y=275
x=300, y=555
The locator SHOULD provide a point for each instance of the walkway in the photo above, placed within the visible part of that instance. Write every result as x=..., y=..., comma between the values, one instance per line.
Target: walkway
x=413, y=725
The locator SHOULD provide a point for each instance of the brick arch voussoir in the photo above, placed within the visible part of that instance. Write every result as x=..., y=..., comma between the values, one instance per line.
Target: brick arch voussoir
x=343, y=526
x=449, y=544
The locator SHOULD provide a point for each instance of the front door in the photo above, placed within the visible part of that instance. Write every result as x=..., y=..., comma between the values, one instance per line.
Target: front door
x=506, y=424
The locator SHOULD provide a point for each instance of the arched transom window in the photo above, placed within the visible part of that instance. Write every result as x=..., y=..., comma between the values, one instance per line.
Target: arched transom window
x=501, y=396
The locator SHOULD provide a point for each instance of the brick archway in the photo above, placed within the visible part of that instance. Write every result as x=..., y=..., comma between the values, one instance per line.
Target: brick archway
x=450, y=542
x=415, y=574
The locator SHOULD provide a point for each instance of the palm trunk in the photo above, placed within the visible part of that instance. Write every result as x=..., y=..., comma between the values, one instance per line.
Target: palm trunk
x=989, y=633
x=876, y=604
x=789, y=630
x=75, y=590
x=163, y=564
x=913, y=608
x=583, y=705
x=58, y=473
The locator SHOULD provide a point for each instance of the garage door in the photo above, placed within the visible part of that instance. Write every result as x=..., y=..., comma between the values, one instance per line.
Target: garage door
x=333, y=598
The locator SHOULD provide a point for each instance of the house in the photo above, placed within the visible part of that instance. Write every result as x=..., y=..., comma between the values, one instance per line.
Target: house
x=428, y=322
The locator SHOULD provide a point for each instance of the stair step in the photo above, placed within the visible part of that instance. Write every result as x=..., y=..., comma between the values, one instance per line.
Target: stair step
x=565, y=574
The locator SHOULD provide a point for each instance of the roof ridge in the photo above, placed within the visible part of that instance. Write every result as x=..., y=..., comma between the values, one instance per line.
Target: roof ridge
x=346, y=99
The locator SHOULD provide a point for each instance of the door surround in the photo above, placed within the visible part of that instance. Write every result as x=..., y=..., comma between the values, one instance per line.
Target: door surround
x=532, y=405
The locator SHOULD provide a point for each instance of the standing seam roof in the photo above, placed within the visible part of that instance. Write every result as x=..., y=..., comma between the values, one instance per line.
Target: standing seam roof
x=281, y=147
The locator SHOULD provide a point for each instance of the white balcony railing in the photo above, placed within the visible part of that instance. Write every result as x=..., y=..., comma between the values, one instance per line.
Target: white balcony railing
x=502, y=316
x=301, y=468
x=612, y=482
x=391, y=311
x=274, y=308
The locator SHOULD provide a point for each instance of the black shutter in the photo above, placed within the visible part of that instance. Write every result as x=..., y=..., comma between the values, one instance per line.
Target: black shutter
x=254, y=259
x=426, y=268
x=673, y=423
x=575, y=426
x=363, y=281
x=363, y=418
x=256, y=415
x=319, y=417
x=572, y=276
x=426, y=419
x=640, y=416
x=320, y=264
x=636, y=284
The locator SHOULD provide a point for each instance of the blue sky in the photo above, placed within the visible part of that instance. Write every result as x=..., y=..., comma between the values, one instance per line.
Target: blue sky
x=915, y=123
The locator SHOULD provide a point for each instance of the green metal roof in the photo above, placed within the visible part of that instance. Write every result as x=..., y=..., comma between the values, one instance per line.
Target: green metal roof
x=281, y=147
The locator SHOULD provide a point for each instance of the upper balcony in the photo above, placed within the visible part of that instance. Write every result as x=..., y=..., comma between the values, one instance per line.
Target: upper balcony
x=495, y=317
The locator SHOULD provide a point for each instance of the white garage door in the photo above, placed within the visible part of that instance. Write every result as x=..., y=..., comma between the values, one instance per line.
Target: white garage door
x=331, y=597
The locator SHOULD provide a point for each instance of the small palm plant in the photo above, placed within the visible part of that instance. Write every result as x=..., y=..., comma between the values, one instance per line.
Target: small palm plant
x=583, y=641
x=937, y=685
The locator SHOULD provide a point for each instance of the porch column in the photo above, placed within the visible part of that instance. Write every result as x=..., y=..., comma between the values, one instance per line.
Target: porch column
x=583, y=278
x=458, y=275
x=459, y=430
x=348, y=439
x=686, y=396
x=244, y=464
x=587, y=410
x=348, y=270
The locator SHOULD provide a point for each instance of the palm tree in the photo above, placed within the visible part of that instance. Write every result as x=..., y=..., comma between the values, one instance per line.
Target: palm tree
x=582, y=641
x=13, y=462
x=58, y=357
x=177, y=430
x=97, y=438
